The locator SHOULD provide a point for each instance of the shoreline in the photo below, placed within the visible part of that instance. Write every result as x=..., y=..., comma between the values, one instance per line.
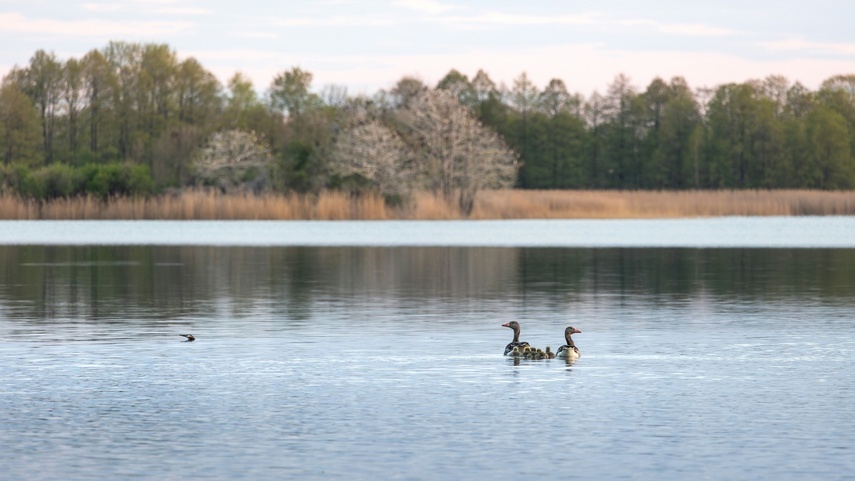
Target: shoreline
x=829, y=232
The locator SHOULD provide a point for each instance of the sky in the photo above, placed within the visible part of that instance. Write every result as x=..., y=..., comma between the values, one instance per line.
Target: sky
x=367, y=45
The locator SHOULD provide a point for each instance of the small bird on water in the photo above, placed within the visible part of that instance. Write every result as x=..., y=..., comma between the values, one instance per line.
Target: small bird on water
x=190, y=337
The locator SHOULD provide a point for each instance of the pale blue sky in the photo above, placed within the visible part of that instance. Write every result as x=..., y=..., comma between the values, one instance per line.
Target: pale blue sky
x=368, y=45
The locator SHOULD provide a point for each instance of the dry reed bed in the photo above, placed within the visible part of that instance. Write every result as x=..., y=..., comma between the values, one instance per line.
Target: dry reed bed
x=660, y=204
x=505, y=204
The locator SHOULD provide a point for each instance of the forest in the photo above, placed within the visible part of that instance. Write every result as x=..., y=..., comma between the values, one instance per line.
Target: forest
x=136, y=119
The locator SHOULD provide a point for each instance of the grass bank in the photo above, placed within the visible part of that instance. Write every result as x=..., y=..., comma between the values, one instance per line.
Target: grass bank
x=504, y=204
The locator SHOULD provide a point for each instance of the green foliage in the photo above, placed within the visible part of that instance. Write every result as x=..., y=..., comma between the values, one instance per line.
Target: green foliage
x=113, y=180
x=19, y=127
x=62, y=181
x=140, y=104
x=829, y=162
x=457, y=83
x=289, y=92
x=295, y=167
x=759, y=134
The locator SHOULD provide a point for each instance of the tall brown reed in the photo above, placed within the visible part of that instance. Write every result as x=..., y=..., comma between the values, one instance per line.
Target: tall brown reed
x=503, y=204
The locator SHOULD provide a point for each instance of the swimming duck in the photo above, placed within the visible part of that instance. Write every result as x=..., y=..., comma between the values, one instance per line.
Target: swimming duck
x=516, y=342
x=516, y=352
x=569, y=350
x=189, y=337
x=549, y=353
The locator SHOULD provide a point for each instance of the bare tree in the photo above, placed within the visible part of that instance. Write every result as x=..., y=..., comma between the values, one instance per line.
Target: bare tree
x=231, y=159
x=334, y=95
x=457, y=155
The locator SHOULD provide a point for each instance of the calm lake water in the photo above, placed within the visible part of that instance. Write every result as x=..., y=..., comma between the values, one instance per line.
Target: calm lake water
x=361, y=355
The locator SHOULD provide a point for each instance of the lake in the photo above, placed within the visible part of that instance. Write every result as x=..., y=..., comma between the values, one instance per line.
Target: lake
x=711, y=349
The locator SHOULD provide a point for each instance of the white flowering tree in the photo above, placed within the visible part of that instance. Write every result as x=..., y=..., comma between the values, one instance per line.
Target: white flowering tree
x=232, y=159
x=376, y=155
x=457, y=156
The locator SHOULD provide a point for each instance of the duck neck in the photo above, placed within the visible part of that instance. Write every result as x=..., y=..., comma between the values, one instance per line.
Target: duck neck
x=516, y=335
x=569, y=340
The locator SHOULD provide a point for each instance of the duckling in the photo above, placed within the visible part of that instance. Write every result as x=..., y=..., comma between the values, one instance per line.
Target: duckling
x=549, y=353
x=541, y=354
x=516, y=352
x=190, y=337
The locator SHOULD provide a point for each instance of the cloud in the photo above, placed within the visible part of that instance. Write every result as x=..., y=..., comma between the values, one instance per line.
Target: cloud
x=483, y=20
x=14, y=22
x=439, y=15
x=241, y=54
x=262, y=35
x=505, y=19
x=689, y=29
x=427, y=6
x=337, y=21
x=183, y=11
x=152, y=6
x=593, y=68
x=801, y=45
x=694, y=30
x=101, y=7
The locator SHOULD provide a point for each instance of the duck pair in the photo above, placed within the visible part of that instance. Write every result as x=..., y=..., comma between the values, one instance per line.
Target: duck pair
x=567, y=351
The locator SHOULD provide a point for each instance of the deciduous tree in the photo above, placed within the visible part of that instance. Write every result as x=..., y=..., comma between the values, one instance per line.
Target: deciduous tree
x=456, y=155
x=378, y=157
x=19, y=127
x=198, y=94
x=232, y=159
x=524, y=97
x=73, y=96
x=458, y=84
x=289, y=91
x=42, y=82
x=830, y=164
x=99, y=85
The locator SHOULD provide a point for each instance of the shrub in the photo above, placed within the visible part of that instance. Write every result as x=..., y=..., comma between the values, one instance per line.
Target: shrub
x=62, y=181
x=112, y=180
x=51, y=182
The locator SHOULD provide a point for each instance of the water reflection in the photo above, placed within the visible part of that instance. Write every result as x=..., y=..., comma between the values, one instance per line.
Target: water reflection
x=378, y=363
x=112, y=283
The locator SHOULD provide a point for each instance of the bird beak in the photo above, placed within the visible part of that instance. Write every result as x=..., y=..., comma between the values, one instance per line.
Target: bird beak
x=507, y=324
x=576, y=331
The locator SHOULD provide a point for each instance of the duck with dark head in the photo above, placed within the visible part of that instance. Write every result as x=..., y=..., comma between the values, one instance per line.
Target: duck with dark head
x=516, y=342
x=569, y=350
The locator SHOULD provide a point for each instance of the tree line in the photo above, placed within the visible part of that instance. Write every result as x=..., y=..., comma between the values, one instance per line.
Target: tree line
x=140, y=117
